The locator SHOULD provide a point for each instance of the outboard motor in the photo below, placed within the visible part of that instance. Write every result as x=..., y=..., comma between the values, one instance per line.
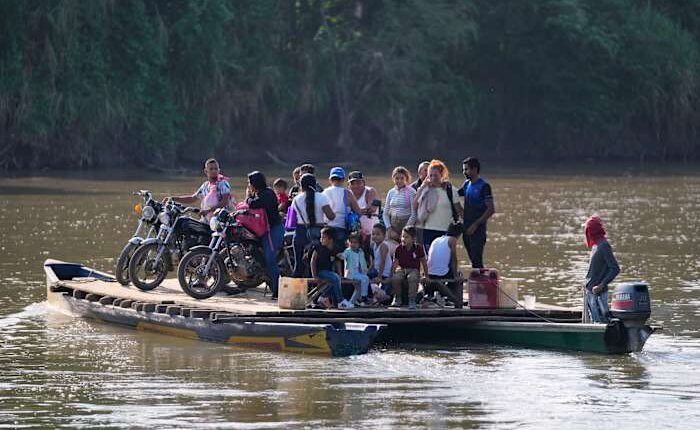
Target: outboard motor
x=631, y=303
x=631, y=306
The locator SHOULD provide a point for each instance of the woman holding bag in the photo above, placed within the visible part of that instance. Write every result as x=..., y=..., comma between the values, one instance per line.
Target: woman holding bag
x=310, y=207
x=260, y=196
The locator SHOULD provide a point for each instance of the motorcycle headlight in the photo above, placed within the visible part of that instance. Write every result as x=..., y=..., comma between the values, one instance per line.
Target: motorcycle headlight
x=215, y=224
x=164, y=218
x=148, y=213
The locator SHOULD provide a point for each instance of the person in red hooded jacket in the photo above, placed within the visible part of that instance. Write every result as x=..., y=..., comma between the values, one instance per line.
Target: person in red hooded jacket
x=602, y=270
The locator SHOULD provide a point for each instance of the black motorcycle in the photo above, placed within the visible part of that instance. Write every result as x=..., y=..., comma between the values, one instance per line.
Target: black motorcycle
x=234, y=254
x=148, y=219
x=157, y=256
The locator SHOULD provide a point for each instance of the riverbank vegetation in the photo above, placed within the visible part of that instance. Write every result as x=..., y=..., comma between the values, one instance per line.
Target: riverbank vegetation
x=166, y=82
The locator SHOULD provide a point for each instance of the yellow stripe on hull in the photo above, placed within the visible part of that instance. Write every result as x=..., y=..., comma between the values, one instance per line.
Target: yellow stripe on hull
x=164, y=329
x=317, y=343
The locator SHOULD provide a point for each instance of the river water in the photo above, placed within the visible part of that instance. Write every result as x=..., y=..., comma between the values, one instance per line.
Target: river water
x=57, y=371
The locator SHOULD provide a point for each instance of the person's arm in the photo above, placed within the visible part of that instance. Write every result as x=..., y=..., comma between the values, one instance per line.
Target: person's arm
x=313, y=264
x=414, y=213
x=262, y=200
x=613, y=269
x=328, y=212
x=394, y=267
x=185, y=200
x=385, y=215
x=490, y=210
x=370, y=197
x=352, y=202
x=424, y=266
x=453, y=256
x=383, y=251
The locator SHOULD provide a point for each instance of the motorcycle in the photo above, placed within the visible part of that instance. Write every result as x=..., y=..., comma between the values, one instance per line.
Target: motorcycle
x=157, y=256
x=234, y=254
x=148, y=217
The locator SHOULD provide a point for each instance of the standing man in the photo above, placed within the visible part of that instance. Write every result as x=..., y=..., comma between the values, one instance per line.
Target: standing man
x=213, y=194
x=478, y=208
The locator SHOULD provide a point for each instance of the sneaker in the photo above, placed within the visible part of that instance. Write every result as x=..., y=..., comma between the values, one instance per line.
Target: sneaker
x=396, y=303
x=345, y=305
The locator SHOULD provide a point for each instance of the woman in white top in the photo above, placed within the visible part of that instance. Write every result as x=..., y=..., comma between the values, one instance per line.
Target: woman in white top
x=310, y=207
x=435, y=208
x=365, y=196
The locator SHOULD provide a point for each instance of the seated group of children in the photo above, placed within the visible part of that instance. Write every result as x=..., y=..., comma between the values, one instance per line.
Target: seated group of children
x=391, y=268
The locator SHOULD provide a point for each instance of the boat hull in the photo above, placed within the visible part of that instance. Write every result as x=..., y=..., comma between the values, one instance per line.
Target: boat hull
x=337, y=340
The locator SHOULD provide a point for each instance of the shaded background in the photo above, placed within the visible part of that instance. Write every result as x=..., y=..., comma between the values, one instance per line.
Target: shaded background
x=165, y=83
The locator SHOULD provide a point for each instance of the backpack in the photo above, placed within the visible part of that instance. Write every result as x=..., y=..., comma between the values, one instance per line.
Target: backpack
x=352, y=219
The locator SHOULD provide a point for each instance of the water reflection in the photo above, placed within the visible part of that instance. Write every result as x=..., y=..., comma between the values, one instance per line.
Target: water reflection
x=56, y=370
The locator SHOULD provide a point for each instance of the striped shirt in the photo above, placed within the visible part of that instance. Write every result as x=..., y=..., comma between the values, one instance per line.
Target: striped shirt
x=399, y=204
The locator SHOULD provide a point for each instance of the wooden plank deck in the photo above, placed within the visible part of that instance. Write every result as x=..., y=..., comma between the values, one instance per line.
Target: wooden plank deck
x=254, y=306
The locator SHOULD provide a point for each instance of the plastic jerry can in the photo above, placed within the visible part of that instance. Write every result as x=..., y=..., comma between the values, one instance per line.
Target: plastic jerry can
x=292, y=293
x=483, y=289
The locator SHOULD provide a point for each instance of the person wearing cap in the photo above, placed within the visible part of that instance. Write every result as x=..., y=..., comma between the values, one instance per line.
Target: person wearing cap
x=602, y=270
x=365, y=196
x=341, y=201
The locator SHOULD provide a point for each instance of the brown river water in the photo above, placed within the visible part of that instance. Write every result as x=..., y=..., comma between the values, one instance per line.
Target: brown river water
x=57, y=371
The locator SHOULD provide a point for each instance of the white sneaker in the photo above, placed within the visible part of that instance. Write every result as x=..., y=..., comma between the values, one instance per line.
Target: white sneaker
x=345, y=305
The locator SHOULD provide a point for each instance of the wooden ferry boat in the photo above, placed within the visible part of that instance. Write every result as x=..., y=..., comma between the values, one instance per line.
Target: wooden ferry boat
x=253, y=320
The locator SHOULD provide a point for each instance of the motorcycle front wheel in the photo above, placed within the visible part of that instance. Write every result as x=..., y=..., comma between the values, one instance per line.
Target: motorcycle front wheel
x=121, y=272
x=193, y=279
x=145, y=273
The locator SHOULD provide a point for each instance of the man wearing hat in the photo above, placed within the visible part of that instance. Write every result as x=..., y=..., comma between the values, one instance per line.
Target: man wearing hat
x=341, y=201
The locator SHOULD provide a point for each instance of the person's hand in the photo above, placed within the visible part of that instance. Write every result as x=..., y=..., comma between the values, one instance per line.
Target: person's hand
x=472, y=228
x=597, y=289
x=165, y=199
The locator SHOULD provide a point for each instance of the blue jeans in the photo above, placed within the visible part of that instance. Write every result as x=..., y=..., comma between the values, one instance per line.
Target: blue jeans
x=301, y=239
x=598, y=306
x=271, y=243
x=364, y=285
x=334, y=289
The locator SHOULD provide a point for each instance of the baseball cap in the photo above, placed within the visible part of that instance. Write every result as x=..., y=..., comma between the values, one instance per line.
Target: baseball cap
x=337, y=173
x=355, y=175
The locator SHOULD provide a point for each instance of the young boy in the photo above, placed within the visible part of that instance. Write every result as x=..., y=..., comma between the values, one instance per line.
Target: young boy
x=322, y=262
x=280, y=186
x=409, y=258
x=442, y=256
x=356, y=268
x=214, y=193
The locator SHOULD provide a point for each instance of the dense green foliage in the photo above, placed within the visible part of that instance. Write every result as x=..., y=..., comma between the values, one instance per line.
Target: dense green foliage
x=144, y=82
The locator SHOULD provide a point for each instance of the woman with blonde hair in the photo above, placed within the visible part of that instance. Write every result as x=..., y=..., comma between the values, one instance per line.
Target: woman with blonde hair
x=398, y=208
x=436, y=204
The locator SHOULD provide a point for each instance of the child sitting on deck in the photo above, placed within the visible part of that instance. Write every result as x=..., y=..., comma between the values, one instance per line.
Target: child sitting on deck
x=380, y=274
x=322, y=263
x=356, y=268
x=409, y=258
x=442, y=256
